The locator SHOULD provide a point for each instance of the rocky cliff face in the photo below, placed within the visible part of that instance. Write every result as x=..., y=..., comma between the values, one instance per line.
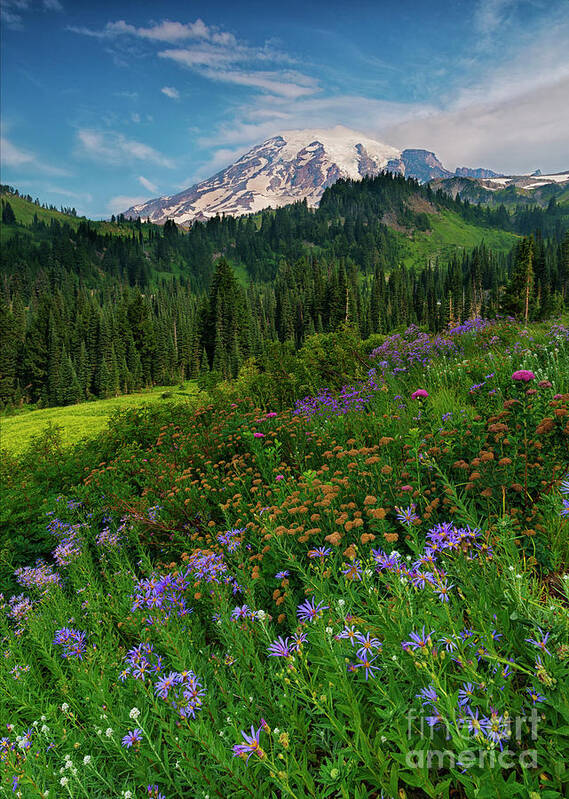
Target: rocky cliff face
x=420, y=164
x=466, y=172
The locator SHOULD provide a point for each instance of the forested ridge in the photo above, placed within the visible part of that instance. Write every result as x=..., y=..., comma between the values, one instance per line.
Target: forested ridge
x=91, y=309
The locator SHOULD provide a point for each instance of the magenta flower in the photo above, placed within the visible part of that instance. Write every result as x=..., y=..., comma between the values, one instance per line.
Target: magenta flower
x=523, y=375
x=420, y=394
x=258, y=435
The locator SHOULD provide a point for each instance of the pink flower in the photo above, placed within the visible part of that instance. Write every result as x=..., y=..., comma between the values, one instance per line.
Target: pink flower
x=279, y=477
x=258, y=435
x=271, y=415
x=419, y=394
x=523, y=375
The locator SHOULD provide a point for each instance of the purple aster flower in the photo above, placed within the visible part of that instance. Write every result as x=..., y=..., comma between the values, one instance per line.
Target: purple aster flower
x=496, y=727
x=540, y=644
x=420, y=641
x=367, y=644
x=280, y=648
x=475, y=723
x=243, y=612
x=349, y=633
x=282, y=575
x=297, y=640
x=407, y=515
x=163, y=686
x=251, y=746
x=308, y=611
x=448, y=643
x=535, y=696
x=132, y=737
x=154, y=792
x=428, y=695
x=421, y=579
x=465, y=694
x=353, y=571
x=442, y=590
x=366, y=664
x=319, y=552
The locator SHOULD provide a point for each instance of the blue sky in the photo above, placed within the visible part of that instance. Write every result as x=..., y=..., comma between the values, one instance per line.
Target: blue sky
x=106, y=104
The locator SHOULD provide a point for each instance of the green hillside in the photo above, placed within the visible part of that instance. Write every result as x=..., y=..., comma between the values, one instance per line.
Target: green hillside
x=85, y=419
x=451, y=234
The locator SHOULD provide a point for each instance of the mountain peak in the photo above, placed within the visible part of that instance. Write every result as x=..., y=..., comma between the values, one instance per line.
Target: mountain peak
x=291, y=166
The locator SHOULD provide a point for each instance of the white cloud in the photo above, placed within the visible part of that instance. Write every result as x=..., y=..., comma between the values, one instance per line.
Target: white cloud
x=122, y=202
x=170, y=92
x=52, y=5
x=165, y=31
x=15, y=157
x=147, y=184
x=114, y=148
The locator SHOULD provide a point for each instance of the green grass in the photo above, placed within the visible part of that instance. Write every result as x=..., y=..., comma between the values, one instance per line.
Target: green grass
x=85, y=419
x=24, y=212
x=450, y=233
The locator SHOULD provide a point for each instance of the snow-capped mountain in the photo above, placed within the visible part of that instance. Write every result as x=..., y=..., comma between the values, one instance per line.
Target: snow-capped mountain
x=301, y=164
x=527, y=182
x=296, y=165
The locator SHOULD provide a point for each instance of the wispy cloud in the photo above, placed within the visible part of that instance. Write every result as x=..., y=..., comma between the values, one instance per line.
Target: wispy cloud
x=217, y=55
x=122, y=202
x=114, y=148
x=170, y=92
x=15, y=157
x=147, y=184
x=13, y=12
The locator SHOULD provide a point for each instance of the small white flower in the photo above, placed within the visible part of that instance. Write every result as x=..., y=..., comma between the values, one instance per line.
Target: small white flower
x=383, y=739
x=511, y=568
x=127, y=795
x=99, y=732
x=261, y=615
x=329, y=630
x=43, y=718
x=109, y=732
x=86, y=760
x=67, y=757
x=341, y=603
x=65, y=707
x=63, y=781
x=44, y=728
x=68, y=764
x=276, y=731
x=134, y=713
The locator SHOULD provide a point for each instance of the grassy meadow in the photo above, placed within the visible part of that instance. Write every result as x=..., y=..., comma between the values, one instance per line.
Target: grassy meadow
x=83, y=420
x=360, y=594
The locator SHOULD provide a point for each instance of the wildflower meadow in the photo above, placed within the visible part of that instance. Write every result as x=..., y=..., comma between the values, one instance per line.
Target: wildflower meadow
x=361, y=593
